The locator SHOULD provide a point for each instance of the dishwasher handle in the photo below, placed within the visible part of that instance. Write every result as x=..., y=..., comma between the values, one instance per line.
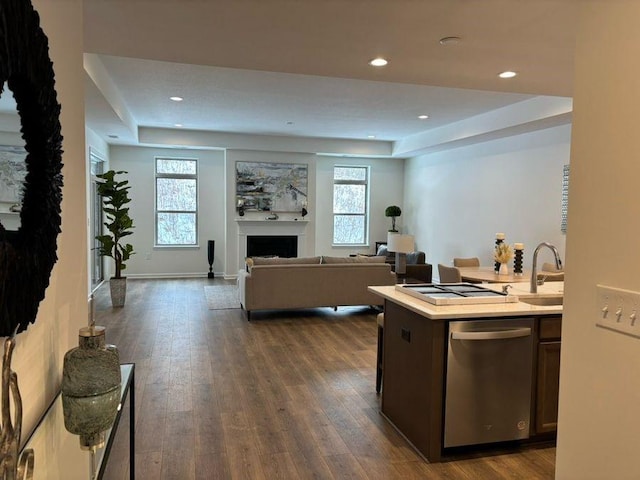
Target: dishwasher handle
x=492, y=335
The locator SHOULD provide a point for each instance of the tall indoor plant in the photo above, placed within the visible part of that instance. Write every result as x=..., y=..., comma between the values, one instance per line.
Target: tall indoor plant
x=115, y=197
x=393, y=211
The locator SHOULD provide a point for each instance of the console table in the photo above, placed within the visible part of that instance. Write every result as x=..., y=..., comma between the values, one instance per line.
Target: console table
x=58, y=455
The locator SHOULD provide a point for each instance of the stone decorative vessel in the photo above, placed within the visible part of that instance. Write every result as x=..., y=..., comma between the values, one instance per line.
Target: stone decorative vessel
x=92, y=368
x=90, y=417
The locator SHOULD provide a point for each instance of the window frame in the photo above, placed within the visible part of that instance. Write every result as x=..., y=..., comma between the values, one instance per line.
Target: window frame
x=157, y=211
x=366, y=182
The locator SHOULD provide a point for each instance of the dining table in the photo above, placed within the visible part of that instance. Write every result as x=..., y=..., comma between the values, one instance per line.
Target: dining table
x=488, y=275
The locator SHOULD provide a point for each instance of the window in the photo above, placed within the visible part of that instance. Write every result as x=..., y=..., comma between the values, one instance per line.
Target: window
x=350, y=205
x=176, y=201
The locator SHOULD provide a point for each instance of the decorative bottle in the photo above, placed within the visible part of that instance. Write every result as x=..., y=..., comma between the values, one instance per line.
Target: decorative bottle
x=91, y=368
x=517, y=261
x=499, y=240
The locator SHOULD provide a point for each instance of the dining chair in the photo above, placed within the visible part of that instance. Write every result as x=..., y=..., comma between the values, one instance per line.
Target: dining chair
x=449, y=274
x=466, y=262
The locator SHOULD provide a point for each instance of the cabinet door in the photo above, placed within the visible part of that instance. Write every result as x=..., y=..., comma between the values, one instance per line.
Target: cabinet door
x=413, y=384
x=548, y=383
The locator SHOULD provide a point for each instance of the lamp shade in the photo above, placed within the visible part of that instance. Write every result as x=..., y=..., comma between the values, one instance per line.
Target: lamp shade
x=400, y=243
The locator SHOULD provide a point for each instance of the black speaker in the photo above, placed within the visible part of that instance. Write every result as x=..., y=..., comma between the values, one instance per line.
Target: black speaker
x=211, y=248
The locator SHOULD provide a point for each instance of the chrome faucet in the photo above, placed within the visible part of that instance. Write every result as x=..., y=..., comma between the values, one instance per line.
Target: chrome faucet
x=534, y=273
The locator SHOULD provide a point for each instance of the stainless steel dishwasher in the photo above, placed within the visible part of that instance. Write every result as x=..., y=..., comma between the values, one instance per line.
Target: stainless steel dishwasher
x=489, y=381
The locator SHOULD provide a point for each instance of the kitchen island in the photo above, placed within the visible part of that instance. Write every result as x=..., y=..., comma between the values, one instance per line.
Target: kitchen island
x=418, y=396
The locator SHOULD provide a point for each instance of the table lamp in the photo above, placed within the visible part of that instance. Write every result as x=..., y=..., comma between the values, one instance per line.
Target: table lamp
x=401, y=245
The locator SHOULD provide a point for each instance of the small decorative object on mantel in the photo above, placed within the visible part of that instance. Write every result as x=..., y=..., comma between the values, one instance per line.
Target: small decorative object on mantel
x=12, y=465
x=517, y=262
x=499, y=240
x=92, y=368
x=304, y=211
x=502, y=255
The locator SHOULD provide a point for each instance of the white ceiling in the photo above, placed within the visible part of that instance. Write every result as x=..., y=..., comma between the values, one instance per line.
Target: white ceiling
x=299, y=67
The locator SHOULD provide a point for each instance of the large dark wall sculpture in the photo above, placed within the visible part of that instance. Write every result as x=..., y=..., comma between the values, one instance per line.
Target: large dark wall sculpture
x=27, y=255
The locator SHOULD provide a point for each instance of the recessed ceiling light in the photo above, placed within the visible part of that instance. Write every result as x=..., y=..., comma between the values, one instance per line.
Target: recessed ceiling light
x=112, y=136
x=177, y=125
x=450, y=40
x=378, y=62
x=371, y=136
x=289, y=122
x=176, y=99
x=507, y=74
x=423, y=117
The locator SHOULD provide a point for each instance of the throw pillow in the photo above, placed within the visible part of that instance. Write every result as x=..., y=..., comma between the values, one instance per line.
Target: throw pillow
x=248, y=262
x=286, y=261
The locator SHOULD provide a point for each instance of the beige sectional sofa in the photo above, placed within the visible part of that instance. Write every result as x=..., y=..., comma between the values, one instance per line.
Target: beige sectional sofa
x=284, y=283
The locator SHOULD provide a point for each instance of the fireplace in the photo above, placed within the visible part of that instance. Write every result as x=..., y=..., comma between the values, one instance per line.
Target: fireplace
x=285, y=246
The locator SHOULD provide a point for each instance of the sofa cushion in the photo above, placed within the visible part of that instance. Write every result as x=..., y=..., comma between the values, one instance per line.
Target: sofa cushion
x=358, y=259
x=286, y=261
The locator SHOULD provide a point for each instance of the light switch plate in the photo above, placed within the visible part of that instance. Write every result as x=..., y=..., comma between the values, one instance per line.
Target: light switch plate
x=618, y=310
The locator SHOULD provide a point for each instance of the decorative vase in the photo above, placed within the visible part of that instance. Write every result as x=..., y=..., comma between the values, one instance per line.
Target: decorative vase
x=118, y=289
x=92, y=368
x=504, y=269
x=90, y=417
x=517, y=262
x=499, y=240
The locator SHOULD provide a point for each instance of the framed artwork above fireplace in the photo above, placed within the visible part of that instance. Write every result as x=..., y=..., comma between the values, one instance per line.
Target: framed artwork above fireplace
x=271, y=187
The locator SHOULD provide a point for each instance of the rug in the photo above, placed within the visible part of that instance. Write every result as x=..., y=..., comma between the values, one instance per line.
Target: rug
x=222, y=297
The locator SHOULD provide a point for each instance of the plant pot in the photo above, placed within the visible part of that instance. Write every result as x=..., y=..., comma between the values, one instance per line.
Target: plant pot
x=118, y=288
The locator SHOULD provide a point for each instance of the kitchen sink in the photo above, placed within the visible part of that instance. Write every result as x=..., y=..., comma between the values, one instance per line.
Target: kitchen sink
x=542, y=301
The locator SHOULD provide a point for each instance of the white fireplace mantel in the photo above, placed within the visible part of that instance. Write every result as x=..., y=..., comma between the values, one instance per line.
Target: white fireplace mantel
x=270, y=227
x=275, y=222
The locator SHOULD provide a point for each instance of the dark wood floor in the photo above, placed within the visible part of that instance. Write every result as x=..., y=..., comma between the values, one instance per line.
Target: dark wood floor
x=289, y=395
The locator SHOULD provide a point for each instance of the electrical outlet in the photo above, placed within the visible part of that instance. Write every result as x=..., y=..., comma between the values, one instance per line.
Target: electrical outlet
x=618, y=310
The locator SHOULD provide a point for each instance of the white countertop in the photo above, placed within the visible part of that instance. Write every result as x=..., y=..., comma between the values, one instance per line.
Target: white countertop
x=446, y=312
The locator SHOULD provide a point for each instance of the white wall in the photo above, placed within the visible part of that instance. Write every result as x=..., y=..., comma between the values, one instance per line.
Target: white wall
x=150, y=260
x=218, y=216
x=40, y=350
x=599, y=417
x=232, y=238
x=457, y=200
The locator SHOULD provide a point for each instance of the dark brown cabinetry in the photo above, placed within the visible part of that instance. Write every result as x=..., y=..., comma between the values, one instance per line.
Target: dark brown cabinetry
x=547, y=375
x=412, y=392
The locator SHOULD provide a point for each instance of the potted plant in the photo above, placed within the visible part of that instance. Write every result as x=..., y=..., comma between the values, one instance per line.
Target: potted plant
x=115, y=197
x=393, y=211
